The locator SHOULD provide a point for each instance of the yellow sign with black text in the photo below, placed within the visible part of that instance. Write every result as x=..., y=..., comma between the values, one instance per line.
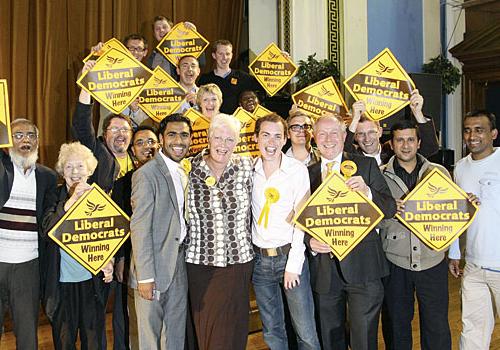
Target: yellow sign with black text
x=112, y=43
x=260, y=111
x=338, y=216
x=181, y=41
x=321, y=98
x=92, y=230
x=272, y=69
x=116, y=79
x=437, y=211
x=246, y=144
x=161, y=95
x=200, y=124
x=5, y=132
x=382, y=84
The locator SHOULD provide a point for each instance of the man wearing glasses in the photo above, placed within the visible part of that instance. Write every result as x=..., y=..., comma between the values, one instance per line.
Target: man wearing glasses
x=27, y=188
x=367, y=132
x=300, y=133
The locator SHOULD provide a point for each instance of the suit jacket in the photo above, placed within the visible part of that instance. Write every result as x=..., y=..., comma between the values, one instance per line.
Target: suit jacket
x=367, y=260
x=155, y=225
x=46, y=180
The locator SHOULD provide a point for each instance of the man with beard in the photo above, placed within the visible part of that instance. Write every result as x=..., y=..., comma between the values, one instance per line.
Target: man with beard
x=27, y=188
x=158, y=228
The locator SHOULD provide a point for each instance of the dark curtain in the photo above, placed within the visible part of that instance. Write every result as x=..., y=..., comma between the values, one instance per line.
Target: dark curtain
x=43, y=43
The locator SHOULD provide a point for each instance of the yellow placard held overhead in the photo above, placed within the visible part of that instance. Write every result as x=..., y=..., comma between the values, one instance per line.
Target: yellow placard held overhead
x=437, y=211
x=246, y=144
x=116, y=79
x=181, y=41
x=273, y=69
x=338, y=216
x=382, y=84
x=161, y=95
x=112, y=43
x=321, y=98
x=260, y=111
x=200, y=124
x=92, y=230
x=5, y=132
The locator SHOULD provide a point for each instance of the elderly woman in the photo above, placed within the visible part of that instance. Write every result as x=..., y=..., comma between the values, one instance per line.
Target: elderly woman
x=209, y=99
x=73, y=298
x=219, y=252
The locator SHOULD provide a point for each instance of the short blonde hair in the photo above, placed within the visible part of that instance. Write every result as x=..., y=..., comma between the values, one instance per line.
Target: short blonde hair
x=75, y=148
x=227, y=121
x=209, y=88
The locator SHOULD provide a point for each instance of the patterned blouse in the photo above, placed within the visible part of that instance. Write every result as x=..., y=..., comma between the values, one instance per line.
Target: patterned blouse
x=220, y=231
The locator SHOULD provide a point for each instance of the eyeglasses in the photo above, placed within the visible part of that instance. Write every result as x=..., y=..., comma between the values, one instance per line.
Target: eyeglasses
x=142, y=143
x=370, y=133
x=299, y=128
x=18, y=136
x=116, y=130
x=136, y=49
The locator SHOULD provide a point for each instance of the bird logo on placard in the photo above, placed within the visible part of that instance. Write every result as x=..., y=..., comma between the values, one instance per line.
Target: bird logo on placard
x=92, y=208
x=324, y=91
x=112, y=61
x=158, y=81
x=271, y=55
x=435, y=190
x=335, y=194
x=382, y=68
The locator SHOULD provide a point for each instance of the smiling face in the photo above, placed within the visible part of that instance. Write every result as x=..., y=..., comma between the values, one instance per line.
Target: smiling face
x=249, y=101
x=367, y=136
x=330, y=137
x=145, y=145
x=137, y=49
x=75, y=170
x=300, y=130
x=221, y=143
x=478, y=136
x=209, y=104
x=188, y=71
x=117, y=136
x=24, y=140
x=176, y=140
x=405, y=144
x=160, y=29
x=270, y=140
x=223, y=56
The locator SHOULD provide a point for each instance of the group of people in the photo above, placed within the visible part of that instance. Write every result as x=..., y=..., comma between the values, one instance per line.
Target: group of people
x=205, y=228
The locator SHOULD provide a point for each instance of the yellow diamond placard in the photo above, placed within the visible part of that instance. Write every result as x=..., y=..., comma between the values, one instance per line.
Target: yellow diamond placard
x=382, y=84
x=272, y=69
x=200, y=124
x=116, y=79
x=246, y=144
x=112, y=43
x=437, y=211
x=321, y=98
x=338, y=216
x=5, y=132
x=92, y=230
x=181, y=41
x=161, y=95
x=260, y=111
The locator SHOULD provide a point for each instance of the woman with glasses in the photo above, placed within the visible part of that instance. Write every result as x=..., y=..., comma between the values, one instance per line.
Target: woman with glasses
x=219, y=251
x=300, y=133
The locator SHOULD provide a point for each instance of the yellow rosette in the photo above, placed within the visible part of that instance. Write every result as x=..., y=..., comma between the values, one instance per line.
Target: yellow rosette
x=185, y=165
x=210, y=181
x=348, y=168
x=272, y=196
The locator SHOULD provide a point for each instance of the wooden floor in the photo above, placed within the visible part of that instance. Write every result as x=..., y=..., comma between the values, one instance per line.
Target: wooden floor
x=255, y=341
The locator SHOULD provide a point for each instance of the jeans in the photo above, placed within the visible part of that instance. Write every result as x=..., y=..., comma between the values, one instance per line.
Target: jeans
x=268, y=275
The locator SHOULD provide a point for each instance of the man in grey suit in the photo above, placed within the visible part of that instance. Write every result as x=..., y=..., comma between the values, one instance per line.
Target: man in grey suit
x=158, y=272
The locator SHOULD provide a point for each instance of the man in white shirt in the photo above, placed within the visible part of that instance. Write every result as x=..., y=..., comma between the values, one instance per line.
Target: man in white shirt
x=281, y=186
x=158, y=228
x=479, y=175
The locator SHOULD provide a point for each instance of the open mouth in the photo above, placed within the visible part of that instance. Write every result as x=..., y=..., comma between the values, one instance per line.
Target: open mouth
x=178, y=150
x=271, y=150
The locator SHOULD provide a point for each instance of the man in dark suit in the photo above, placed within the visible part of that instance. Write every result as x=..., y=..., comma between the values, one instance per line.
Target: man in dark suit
x=354, y=284
x=26, y=190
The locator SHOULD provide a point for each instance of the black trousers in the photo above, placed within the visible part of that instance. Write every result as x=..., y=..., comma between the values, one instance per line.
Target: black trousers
x=357, y=303
x=431, y=289
x=79, y=311
x=20, y=292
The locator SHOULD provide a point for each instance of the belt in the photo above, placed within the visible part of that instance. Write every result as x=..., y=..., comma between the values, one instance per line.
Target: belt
x=283, y=250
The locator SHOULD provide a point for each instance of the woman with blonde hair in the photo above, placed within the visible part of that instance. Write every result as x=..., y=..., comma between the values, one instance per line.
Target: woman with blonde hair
x=209, y=99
